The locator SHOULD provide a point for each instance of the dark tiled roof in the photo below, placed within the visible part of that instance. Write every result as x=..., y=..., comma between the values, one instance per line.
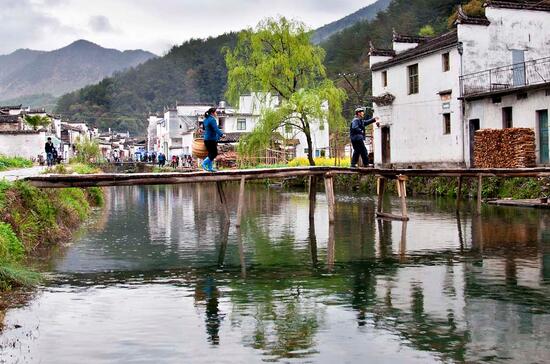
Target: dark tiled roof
x=231, y=137
x=16, y=132
x=9, y=118
x=539, y=5
x=404, y=38
x=381, y=52
x=444, y=41
x=464, y=18
x=11, y=107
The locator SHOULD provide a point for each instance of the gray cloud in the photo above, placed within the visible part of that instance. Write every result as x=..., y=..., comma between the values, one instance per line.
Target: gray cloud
x=101, y=23
x=24, y=25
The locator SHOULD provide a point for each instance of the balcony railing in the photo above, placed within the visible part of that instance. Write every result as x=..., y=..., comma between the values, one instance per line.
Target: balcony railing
x=506, y=78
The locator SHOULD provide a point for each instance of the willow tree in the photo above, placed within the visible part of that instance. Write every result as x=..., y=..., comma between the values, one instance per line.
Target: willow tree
x=277, y=58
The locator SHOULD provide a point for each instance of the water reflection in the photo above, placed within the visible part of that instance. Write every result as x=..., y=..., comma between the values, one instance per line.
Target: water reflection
x=286, y=286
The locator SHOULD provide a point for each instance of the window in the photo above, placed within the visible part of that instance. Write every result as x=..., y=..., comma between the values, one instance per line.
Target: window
x=384, y=78
x=446, y=61
x=446, y=124
x=522, y=96
x=413, y=79
x=507, y=118
x=497, y=99
x=306, y=151
x=322, y=126
x=318, y=153
x=241, y=124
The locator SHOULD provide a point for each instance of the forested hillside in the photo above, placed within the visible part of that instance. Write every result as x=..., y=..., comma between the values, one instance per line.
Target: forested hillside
x=195, y=71
x=367, y=13
x=192, y=72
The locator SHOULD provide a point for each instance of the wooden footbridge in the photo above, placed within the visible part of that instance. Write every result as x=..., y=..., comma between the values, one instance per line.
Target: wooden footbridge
x=313, y=173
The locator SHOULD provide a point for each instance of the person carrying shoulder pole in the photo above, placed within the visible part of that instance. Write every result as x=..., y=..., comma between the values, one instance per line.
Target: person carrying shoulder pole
x=212, y=134
x=357, y=136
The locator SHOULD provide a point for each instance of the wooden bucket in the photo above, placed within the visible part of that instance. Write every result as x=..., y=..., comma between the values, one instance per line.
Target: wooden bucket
x=198, y=148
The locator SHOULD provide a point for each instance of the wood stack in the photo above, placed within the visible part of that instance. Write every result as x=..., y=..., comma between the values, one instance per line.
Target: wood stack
x=504, y=148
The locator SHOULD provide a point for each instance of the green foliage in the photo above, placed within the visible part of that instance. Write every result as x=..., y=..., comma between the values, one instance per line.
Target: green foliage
x=37, y=120
x=472, y=8
x=87, y=150
x=14, y=275
x=11, y=248
x=13, y=162
x=426, y=31
x=277, y=58
x=95, y=196
x=74, y=200
x=35, y=216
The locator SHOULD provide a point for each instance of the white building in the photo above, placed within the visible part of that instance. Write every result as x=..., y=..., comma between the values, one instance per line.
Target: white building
x=174, y=132
x=490, y=72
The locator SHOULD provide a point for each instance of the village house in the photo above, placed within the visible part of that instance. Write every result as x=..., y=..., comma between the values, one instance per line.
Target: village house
x=17, y=138
x=173, y=134
x=432, y=94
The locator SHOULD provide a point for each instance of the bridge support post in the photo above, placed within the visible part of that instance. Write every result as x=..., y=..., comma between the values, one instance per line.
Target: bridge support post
x=329, y=189
x=479, y=190
x=312, y=192
x=459, y=193
x=402, y=193
x=223, y=200
x=240, y=205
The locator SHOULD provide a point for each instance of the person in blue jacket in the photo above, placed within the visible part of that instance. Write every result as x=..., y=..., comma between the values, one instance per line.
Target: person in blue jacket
x=357, y=136
x=212, y=134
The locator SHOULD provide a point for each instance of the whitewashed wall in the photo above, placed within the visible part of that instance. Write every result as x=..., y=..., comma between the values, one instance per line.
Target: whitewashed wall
x=416, y=121
x=487, y=47
x=27, y=145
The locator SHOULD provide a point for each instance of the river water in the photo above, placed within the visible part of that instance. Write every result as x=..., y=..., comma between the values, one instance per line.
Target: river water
x=158, y=277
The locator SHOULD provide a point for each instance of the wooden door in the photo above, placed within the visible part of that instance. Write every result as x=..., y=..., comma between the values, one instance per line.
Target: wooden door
x=386, y=151
x=544, y=142
x=474, y=126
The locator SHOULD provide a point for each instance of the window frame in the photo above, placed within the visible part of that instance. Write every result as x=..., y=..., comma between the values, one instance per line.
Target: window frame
x=446, y=62
x=447, y=128
x=241, y=121
x=385, y=78
x=413, y=79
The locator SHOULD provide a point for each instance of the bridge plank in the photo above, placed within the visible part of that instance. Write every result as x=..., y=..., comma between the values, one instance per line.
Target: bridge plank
x=118, y=179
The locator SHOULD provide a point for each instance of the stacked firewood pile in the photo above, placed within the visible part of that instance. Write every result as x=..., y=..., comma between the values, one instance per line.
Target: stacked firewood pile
x=227, y=159
x=504, y=148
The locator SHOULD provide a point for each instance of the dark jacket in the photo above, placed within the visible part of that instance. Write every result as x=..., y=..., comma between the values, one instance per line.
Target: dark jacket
x=49, y=147
x=357, y=128
x=211, y=130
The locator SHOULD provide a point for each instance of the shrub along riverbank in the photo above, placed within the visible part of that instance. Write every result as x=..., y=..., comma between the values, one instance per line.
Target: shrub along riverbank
x=492, y=187
x=31, y=218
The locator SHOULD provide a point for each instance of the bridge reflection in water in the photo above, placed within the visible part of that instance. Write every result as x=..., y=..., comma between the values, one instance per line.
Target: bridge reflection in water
x=288, y=286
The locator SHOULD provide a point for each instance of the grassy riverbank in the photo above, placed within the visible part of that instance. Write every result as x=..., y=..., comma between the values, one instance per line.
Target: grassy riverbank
x=31, y=218
x=13, y=162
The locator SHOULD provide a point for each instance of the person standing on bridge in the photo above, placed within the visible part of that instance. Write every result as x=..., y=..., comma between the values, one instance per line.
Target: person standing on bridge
x=212, y=134
x=49, y=149
x=357, y=136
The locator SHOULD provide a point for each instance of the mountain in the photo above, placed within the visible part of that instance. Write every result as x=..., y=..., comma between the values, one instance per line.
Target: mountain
x=366, y=13
x=191, y=72
x=27, y=72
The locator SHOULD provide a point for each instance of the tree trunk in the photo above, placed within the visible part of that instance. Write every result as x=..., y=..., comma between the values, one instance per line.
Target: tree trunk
x=307, y=132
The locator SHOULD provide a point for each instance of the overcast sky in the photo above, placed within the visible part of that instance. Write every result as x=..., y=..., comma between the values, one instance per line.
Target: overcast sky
x=153, y=25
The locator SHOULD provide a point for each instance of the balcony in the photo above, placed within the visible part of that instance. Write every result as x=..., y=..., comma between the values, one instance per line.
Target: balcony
x=506, y=79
